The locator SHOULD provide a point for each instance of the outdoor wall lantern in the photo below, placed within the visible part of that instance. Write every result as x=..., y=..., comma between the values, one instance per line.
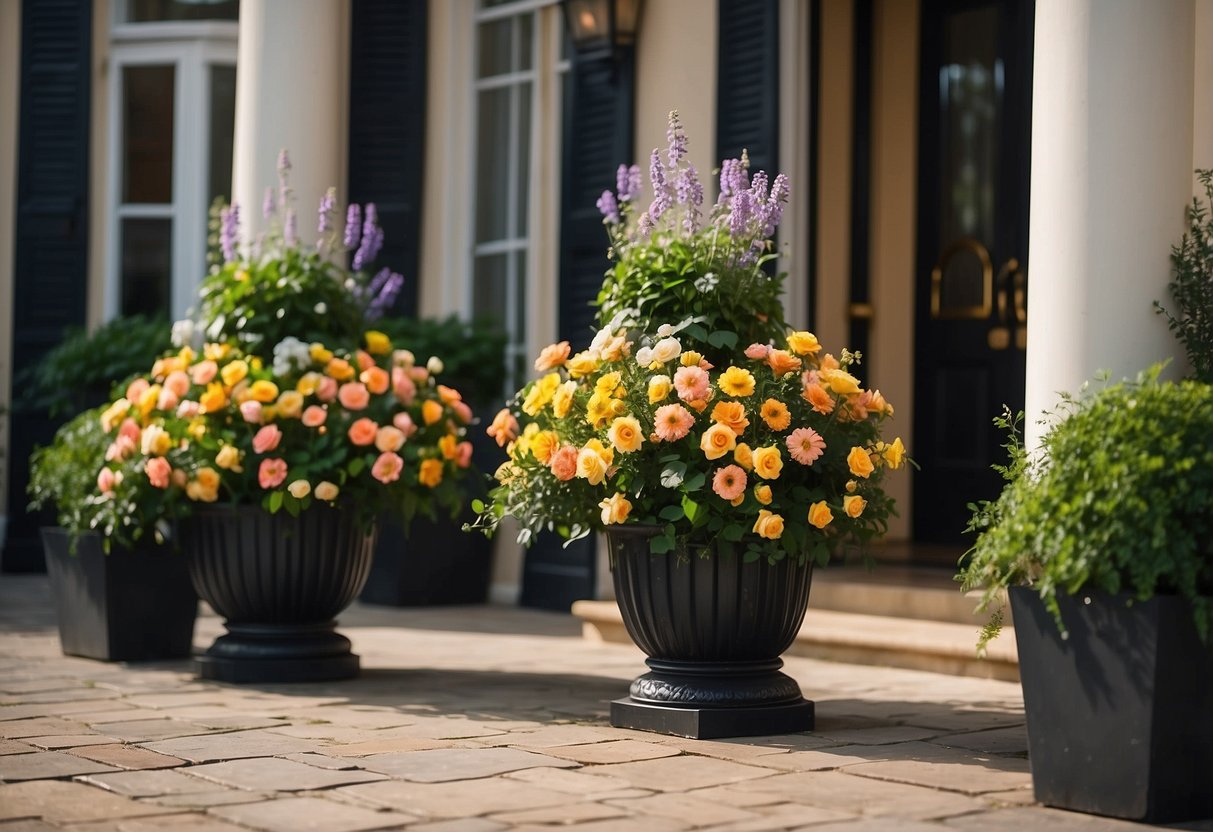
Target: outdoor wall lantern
x=602, y=28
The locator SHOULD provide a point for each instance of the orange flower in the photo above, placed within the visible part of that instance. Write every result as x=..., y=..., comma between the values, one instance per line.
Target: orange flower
x=717, y=441
x=448, y=445
x=860, y=462
x=775, y=414
x=389, y=438
x=504, y=428
x=388, y=466
x=552, y=357
x=354, y=396
x=376, y=380
x=782, y=362
x=362, y=432
x=820, y=514
x=430, y=474
x=431, y=412
x=768, y=525
x=729, y=483
x=744, y=456
x=339, y=369
x=768, y=463
x=817, y=396
x=364, y=359
x=564, y=463
x=731, y=415
x=672, y=422
x=854, y=505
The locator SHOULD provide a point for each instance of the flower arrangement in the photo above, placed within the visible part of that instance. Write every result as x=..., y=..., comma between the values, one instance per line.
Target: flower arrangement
x=367, y=430
x=778, y=453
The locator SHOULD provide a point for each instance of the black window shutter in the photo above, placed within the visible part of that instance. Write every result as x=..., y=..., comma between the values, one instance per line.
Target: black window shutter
x=387, y=128
x=747, y=85
x=50, y=269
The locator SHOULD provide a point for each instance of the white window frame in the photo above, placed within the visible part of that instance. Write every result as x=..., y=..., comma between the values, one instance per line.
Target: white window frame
x=191, y=48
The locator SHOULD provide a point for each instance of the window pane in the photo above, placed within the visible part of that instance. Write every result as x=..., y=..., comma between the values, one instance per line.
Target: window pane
x=149, y=11
x=496, y=44
x=523, y=128
x=223, y=129
x=147, y=257
x=489, y=289
x=523, y=59
x=520, y=282
x=147, y=132
x=492, y=164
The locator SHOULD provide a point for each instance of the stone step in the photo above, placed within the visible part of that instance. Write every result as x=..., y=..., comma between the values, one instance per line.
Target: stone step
x=919, y=593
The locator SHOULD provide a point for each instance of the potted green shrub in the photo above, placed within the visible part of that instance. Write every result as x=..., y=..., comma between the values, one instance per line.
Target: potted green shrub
x=430, y=561
x=125, y=601
x=1192, y=286
x=1103, y=538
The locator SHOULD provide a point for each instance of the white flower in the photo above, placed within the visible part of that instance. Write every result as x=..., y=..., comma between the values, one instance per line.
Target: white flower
x=183, y=333
x=665, y=331
x=644, y=356
x=403, y=358
x=667, y=349
x=289, y=354
x=320, y=308
x=434, y=365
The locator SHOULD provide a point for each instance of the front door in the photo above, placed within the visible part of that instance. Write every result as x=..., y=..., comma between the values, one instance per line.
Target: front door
x=972, y=262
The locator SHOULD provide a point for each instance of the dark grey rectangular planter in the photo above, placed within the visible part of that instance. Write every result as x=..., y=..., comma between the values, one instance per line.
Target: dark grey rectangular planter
x=131, y=605
x=1120, y=713
x=435, y=563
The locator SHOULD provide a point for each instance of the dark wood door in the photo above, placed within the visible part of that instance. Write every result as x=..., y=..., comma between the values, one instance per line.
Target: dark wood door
x=972, y=262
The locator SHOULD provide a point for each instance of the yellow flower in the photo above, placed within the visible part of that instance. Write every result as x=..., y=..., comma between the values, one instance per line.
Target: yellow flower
x=615, y=509
x=768, y=525
x=599, y=410
x=743, y=456
x=308, y=383
x=320, y=355
x=377, y=343
x=147, y=402
x=430, y=473
x=199, y=493
x=229, y=458
x=155, y=441
x=299, y=489
x=736, y=382
x=290, y=404
x=263, y=391
x=541, y=393
x=544, y=444
x=854, y=505
x=895, y=453
x=625, y=434
x=717, y=441
x=581, y=364
x=762, y=493
x=820, y=514
x=606, y=384
x=234, y=371
x=113, y=414
x=593, y=461
x=214, y=399
x=690, y=358
x=326, y=490
x=197, y=428
x=562, y=399
x=860, y=462
x=659, y=388
x=840, y=381
x=803, y=343
x=775, y=414
x=208, y=478
x=851, y=486
x=339, y=369
x=431, y=412
x=187, y=356
x=768, y=463
x=216, y=352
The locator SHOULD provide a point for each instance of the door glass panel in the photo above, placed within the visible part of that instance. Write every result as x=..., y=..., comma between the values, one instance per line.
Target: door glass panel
x=147, y=266
x=223, y=130
x=495, y=47
x=490, y=289
x=970, y=109
x=147, y=134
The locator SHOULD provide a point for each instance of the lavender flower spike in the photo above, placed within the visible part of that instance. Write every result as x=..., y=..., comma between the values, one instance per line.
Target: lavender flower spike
x=353, y=225
x=609, y=207
x=677, y=139
x=661, y=187
x=229, y=233
x=775, y=203
x=385, y=297
x=290, y=232
x=268, y=205
x=623, y=182
x=284, y=162
x=739, y=219
x=372, y=239
x=327, y=203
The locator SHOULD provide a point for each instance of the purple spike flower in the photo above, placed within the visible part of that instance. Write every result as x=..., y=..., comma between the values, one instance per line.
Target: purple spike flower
x=690, y=194
x=661, y=187
x=677, y=140
x=385, y=297
x=290, y=231
x=229, y=233
x=353, y=225
x=267, y=204
x=372, y=239
x=284, y=163
x=609, y=207
x=327, y=203
x=627, y=182
x=774, y=206
x=758, y=188
x=739, y=217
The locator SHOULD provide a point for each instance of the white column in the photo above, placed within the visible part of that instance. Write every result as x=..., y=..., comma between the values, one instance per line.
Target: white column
x=1202, y=135
x=1112, y=133
x=291, y=92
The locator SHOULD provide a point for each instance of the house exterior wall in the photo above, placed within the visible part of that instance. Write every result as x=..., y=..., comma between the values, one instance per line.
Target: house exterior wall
x=99, y=150
x=10, y=76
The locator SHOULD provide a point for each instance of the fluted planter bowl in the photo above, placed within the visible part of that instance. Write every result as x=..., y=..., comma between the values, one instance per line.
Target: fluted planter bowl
x=713, y=627
x=279, y=581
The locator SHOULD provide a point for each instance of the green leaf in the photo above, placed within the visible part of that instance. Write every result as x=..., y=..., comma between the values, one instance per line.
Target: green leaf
x=673, y=474
x=694, y=482
x=661, y=544
x=478, y=506
x=690, y=507
x=275, y=498
x=356, y=466
x=723, y=339
x=733, y=532
x=672, y=513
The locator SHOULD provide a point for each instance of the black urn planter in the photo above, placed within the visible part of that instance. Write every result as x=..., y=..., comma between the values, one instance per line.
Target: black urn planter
x=435, y=562
x=713, y=628
x=279, y=581
x=1120, y=713
x=131, y=605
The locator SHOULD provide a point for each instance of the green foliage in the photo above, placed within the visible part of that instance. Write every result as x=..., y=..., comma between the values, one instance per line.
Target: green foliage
x=1192, y=288
x=1120, y=499
x=471, y=353
x=63, y=474
x=81, y=370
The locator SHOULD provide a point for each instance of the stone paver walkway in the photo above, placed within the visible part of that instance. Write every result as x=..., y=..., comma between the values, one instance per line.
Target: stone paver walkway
x=481, y=719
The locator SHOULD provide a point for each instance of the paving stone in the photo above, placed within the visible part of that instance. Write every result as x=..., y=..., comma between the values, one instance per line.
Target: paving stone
x=648, y=824
x=28, y=826
x=691, y=809
x=272, y=774
x=884, y=824
x=617, y=751
x=1014, y=797
x=784, y=816
x=579, y=782
x=451, y=728
x=308, y=814
x=995, y=741
x=323, y=761
x=43, y=765
x=126, y=756
x=231, y=746
x=882, y=735
x=146, y=730
x=38, y=727
x=458, y=799
x=446, y=764
x=205, y=800
x=864, y=795
x=147, y=783
x=343, y=733
x=374, y=719
x=964, y=720
x=925, y=764
x=61, y=802
x=552, y=736
x=738, y=795
x=399, y=744
x=568, y=813
x=71, y=741
x=177, y=823
x=10, y=712
x=37, y=685
x=826, y=758
x=681, y=773
x=111, y=714
x=461, y=825
x=79, y=693
x=15, y=747
x=174, y=699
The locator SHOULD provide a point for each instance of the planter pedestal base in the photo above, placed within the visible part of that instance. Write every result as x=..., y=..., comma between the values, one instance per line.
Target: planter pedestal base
x=711, y=700
x=264, y=653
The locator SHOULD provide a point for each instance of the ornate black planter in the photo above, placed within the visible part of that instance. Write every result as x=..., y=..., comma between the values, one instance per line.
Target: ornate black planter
x=133, y=605
x=713, y=627
x=279, y=581
x=1120, y=714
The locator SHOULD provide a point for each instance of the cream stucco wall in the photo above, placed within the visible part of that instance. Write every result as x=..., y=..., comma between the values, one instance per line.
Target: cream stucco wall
x=1202, y=110
x=10, y=77
x=99, y=201
x=894, y=212
x=795, y=103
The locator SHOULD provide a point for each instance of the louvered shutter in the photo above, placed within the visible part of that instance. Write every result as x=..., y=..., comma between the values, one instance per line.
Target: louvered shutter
x=747, y=86
x=50, y=271
x=387, y=128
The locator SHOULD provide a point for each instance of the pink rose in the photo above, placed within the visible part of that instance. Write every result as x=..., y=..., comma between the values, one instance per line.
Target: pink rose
x=354, y=396
x=130, y=429
x=463, y=456
x=389, y=438
x=403, y=386
x=158, y=471
x=564, y=463
x=178, y=382
x=462, y=411
x=267, y=439
x=105, y=481
x=757, y=351
x=314, y=416
x=363, y=432
x=271, y=473
x=203, y=372
x=121, y=448
x=419, y=374
x=251, y=411
x=387, y=467
x=188, y=409
x=326, y=389
x=404, y=423
x=168, y=400
x=136, y=389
